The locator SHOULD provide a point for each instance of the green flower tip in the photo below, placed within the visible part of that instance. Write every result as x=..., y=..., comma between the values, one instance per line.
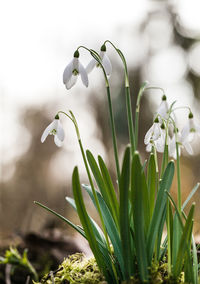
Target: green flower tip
x=76, y=54
x=103, y=47
x=57, y=116
x=162, y=126
x=190, y=115
x=156, y=120
x=164, y=98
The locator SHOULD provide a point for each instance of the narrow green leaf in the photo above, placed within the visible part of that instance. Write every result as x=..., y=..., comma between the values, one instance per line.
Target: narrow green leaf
x=96, y=229
x=86, y=223
x=105, y=191
x=124, y=186
x=169, y=221
x=145, y=202
x=110, y=225
x=99, y=236
x=138, y=216
x=184, y=243
x=77, y=228
x=151, y=178
x=195, y=261
x=160, y=207
x=110, y=189
x=190, y=196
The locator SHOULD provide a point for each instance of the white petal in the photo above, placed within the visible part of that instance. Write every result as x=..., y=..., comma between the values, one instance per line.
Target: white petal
x=57, y=141
x=149, y=147
x=75, y=63
x=60, y=132
x=188, y=148
x=107, y=64
x=48, y=129
x=71, y=82
x=148, y=135
x=83, y=73
x=172, y=147
x=90, y=66
x=163, y=109
x=156, y=131
x=160, y=144
x=68, y=72
x=185, y=132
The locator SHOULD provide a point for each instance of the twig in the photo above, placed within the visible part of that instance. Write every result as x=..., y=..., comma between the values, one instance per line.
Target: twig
x=7, y=272
x=27, y=279
x=52, y=277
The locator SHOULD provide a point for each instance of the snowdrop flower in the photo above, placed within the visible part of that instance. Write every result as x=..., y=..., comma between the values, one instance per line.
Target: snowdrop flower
x=105, y=62
x=71, y=72
x=54, y=128
x=191, y=129
x=159, y=143
x=183, y=143
x=163, y=108
x=153, y=133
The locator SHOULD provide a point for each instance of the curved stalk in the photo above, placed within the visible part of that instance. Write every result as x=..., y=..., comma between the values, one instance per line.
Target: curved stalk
x=73, y=119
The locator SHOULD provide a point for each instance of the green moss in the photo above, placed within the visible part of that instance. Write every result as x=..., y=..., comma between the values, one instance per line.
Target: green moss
x=77, y=268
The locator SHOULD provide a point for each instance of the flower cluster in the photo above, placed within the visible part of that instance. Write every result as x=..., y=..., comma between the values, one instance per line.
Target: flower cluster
x=70, y=76
x=75, y=68
x=159, y=133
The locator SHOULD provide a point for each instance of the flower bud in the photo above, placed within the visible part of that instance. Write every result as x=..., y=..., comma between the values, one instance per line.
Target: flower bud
x=76, y=54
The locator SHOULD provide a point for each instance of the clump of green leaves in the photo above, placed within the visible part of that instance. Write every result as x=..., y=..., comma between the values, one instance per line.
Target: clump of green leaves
x=134, y=211
x=13, y=257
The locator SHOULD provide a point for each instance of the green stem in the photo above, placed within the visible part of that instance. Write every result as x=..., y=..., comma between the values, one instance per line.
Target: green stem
x=130, y=120
x=73, y=119
x=168, y=238
x=178, y=178
x=33, y=271
x=96, y=56
x=113, y=133
x=156, y=165
x=137, y=111
x=128, y=98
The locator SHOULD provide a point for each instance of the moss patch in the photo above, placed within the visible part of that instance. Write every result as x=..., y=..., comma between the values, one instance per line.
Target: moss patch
x=77, y=268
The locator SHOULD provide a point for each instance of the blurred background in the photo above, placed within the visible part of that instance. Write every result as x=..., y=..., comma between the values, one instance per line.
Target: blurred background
x=161, y=42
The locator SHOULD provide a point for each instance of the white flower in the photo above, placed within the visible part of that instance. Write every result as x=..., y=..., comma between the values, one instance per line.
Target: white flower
x=190, y=130
x=163, y=108
x=54, y=128
x=71, y=72
x=183, y=143
x=153, y=133
x=104, y=60
x=159, y=143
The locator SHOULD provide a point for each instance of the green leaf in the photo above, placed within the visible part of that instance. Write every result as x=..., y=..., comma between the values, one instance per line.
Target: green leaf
x=138, y=216
x=195, y=261
x=87, y=226
x=160, y=207
x=110, y=191
x=190, y=196
x=96, y=229
x=185, y=243
x=103, y=185
x=110, y=225
x=77, y=228
x=99, y=236
x=151, y=178
x=124, y=186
